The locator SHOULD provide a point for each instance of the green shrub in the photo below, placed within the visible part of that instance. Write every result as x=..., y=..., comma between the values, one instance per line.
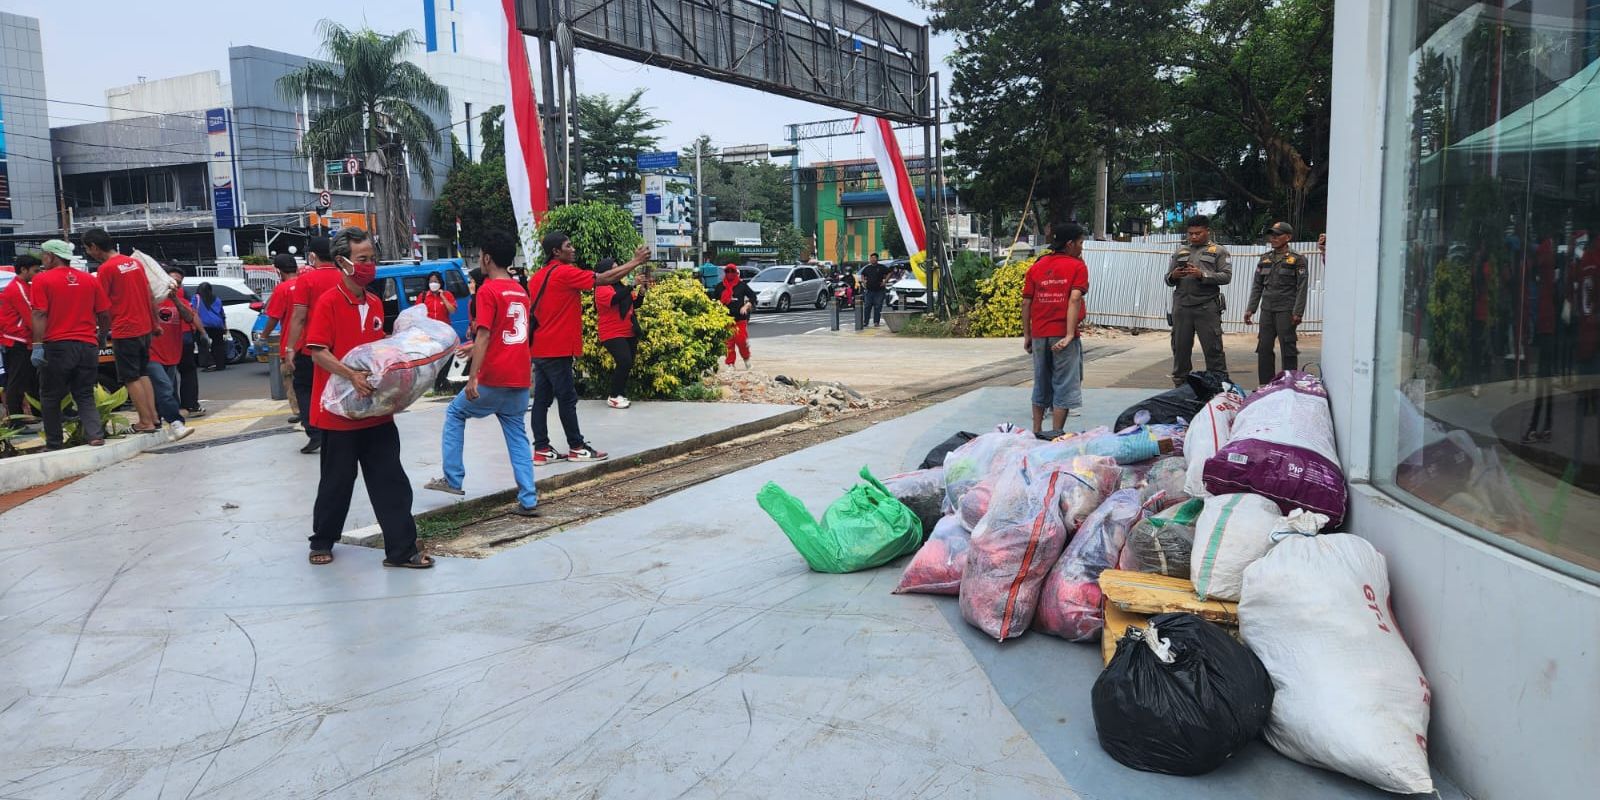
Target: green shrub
x=999, y=308
x=685, y=336
x=598, y=230
x=967, y=268
x=698, y=393
x=256, y=260
x=1450, y=320
x=930, y=326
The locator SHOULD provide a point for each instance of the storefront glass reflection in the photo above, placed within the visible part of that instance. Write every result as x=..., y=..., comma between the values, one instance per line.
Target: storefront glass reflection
x=1494, y=355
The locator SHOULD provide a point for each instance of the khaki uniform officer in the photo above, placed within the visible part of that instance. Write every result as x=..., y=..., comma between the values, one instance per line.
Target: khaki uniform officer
x=1280, y=290
x=1198, y=271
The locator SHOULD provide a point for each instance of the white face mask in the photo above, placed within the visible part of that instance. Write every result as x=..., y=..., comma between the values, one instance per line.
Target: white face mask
x=433, y=286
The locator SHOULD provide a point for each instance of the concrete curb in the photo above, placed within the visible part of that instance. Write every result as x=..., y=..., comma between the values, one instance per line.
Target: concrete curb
x=35, y=469
x=372, y=535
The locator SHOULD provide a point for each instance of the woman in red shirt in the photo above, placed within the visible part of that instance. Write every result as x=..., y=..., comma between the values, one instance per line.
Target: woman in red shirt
x=441, y=304
x=615, y=308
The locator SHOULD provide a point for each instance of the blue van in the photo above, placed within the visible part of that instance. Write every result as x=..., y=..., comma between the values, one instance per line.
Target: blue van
x=399, y=285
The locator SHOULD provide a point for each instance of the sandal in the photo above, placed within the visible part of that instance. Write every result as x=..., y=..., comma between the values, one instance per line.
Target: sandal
x=321, y=557
x=418, y=561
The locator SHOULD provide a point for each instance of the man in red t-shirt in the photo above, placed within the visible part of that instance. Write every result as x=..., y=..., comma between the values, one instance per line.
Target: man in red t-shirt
x=166, y=353
x=1052, y=307
x=16, y=334
x=69, y=312
x=498, y=375
x=319, y=274
x=344, y=317
x=558, y=339
x=280, y=304
x=133, y=322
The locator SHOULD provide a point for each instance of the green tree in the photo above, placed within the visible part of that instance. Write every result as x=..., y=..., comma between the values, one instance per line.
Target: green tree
x=476, y=192
x=615, y=132
x=1038, y=90
x=791, y=242
x=893, y=241
x=380, y=104
x=598, y=230
x=746, y=192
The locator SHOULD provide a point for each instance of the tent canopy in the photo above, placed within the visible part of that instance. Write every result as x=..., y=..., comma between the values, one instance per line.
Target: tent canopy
x=1564, y=118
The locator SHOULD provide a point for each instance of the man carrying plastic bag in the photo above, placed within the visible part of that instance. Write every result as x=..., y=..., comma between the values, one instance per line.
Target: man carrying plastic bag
x=345, y=318
x=399, y=369
x=866, y=528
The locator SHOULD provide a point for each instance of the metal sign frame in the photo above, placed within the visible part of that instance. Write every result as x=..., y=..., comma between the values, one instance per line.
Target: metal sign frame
x=838, y=53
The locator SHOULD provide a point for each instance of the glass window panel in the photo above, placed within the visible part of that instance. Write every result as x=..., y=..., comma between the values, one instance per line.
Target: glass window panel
x=1489, y=379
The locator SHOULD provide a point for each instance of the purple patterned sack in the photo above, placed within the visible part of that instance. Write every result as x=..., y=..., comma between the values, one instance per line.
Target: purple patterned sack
x=1282, y=448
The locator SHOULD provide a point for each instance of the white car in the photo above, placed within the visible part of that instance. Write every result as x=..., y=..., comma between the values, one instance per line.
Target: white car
x=909, y=292
x=240, y=307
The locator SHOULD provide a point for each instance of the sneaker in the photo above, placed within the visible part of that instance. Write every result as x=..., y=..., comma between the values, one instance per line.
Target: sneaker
x=524, y=511
x=587, y=453
x=293, y=419
x=311, y=447
x=443, y=485
x=546, y=455
x=180, y=431
x=198, y=411
x=618, y=402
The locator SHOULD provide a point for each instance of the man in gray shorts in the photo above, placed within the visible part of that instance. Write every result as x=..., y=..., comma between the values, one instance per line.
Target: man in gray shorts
x=1052, y=308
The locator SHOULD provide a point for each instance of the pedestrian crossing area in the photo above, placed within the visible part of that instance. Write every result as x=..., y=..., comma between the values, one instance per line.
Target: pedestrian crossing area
x=812, y=317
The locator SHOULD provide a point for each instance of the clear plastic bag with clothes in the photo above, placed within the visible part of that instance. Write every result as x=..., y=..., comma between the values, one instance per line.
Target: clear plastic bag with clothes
x=938, y=565
x=1069, y=601
x=922, y=491
x=1095, y=478
x=1013, y=547
x=1129, y=447
x=981, y=458
x=1164, y=483
x=401, y=367
x=1162, y=544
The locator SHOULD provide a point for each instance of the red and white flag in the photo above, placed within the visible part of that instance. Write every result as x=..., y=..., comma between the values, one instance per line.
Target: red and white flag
x=896, y=181
x=525, y=161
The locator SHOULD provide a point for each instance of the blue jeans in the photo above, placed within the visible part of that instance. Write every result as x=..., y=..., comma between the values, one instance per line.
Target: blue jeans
x=164, y=381
x=874, y=311
x=1057, y=376
x=507, y=405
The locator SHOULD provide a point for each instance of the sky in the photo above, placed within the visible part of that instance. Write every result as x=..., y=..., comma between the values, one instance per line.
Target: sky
x=164, y=38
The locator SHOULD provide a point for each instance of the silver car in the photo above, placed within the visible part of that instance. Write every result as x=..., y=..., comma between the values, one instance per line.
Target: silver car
x=784, y=287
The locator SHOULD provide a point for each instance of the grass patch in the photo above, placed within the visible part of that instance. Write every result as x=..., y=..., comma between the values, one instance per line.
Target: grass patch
x=447, y=522
x=697, y=393
x=930, y=326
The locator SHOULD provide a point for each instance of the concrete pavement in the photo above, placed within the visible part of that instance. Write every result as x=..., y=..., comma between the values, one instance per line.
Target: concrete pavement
x=677, y=649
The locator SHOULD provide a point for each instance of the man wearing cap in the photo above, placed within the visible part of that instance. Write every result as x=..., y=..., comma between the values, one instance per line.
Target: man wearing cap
x=69, y=312
x=1280, y=291
x=133, y=321
x=1198, y=271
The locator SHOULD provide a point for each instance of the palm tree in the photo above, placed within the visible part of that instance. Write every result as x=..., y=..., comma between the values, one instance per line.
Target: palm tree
x=379, y=101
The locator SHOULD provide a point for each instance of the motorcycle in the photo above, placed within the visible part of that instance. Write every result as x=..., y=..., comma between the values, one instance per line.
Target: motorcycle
x=843, y=295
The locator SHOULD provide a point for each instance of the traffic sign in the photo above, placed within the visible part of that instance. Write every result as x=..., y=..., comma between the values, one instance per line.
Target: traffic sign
x=343, y=166
x=657, y=160
x=352, y=166
x=325, y=199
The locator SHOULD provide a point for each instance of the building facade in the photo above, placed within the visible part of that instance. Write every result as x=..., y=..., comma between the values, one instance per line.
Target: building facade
x=27, y=182
x=844, y=205
x=1467, y=408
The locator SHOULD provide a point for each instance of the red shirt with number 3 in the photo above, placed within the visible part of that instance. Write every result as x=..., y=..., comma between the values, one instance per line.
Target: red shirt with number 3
x=503, y=311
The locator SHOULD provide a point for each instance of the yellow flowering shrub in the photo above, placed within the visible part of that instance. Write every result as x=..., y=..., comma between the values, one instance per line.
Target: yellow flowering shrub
x=999, y=308
x=685, y=335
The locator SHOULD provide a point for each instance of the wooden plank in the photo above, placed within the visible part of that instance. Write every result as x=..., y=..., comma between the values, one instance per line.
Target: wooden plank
x=1142, y=593
x=1117, y=622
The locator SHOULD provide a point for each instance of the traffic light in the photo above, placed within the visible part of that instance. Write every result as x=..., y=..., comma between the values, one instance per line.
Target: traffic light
x=710, y=207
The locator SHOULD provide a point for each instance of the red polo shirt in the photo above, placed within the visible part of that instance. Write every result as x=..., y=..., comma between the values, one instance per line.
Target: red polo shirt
x=503, y=311
x=560, y=311
x=435, y=305
x=125, y=284
x=16, y=314
x=70, y=299
x=308, y=287
x=280, y=304
x=1049, y=286
x=612, y=323
x=167, y=349
x=340, y=322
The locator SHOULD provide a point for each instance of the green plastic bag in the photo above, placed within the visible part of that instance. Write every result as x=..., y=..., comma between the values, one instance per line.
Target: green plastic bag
x=866, y=528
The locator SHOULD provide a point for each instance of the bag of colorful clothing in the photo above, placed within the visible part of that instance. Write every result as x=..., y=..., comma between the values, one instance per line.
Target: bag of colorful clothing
x=1069, y=601
x=937, y=567
x=1161, y=544
x=1013, y=547
x=1163, y=484
x=978, y=459
x=400, y=367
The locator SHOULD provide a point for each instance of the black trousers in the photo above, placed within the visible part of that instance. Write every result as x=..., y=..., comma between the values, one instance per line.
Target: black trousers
x=553, y=382
x=188, y=376
x=1276, y=326
x=376, y=452
x=302, y=393
x=621, y=350
x=1188, y=321
x=69, y=368
x=217, y=356
x=21, y=379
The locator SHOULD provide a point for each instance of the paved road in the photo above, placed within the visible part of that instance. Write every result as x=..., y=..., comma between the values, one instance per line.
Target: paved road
x=247, y=381
x=773, y=323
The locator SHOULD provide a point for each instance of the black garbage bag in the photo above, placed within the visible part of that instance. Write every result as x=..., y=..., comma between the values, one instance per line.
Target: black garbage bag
x=1184, y=401
x=1179, y=697
x=936, y=455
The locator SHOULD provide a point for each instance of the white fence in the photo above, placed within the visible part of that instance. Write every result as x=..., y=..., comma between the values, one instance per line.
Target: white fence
x=1128, y=288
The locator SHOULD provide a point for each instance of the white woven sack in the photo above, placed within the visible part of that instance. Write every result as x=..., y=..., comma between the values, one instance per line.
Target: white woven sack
x=1233, y=531
x=1349, y=694
x=160, y=282
x=1207, y=434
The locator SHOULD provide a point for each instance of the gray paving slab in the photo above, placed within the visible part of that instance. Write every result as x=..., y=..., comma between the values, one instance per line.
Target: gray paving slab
x=680, y=649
